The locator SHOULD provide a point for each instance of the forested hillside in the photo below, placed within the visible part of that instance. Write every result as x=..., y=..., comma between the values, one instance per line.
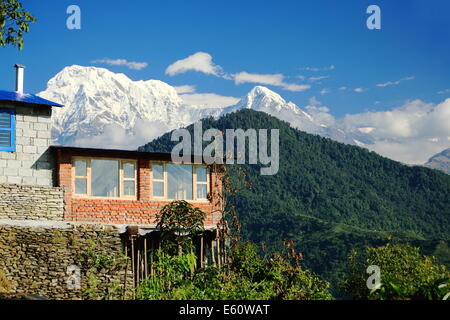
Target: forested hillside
x=330, y=197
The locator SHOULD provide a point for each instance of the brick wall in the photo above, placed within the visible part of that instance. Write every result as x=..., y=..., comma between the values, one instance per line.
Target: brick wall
x=141, y=211
x=35, y=258
x=31, y=163
x=19, y=202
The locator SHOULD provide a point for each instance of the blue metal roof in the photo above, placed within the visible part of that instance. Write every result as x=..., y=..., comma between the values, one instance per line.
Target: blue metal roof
x=26, y=98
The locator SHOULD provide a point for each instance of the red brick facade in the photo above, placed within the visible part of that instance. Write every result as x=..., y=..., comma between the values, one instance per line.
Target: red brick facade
x=141, y=211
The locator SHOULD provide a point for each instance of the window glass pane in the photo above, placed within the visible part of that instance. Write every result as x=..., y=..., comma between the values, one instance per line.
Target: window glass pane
x=158, y=189
x=5, y=119
x=201, y=191
x=158, y=171
x=80, y=186
x=179, y=181
x=105, y=178
x=128, y=170
x=201, y=174
x=80, y=168
x=128, y=188
x=5, y=138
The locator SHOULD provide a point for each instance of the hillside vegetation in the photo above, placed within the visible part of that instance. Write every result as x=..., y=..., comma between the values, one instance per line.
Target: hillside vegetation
x=331, y=197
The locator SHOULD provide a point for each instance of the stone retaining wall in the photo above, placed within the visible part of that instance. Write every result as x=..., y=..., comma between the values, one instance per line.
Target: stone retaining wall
x=18, y=202
x=35, y=258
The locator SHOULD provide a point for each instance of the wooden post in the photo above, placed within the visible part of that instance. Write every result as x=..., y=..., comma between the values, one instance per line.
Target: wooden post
x=151, y=258
x=132, y=261
x=201, y=251
x=213, y=254
x=145, y=257
x=138, y=264
x=126, y=272
x=219, y=262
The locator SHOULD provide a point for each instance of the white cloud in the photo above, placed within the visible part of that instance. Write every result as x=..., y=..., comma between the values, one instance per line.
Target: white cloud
x=199, y=61
x=122, y=62
x=270, y=79
x=359, y=90
x=202, y=62
x=444, y=91
x=295, y=87
x=411, y=152
x=319, y=112
x=116, y=137
x=276, y=79
x=392, y=83
x=324, y=91
x=313, y=101
x=209, y=100
x=313, y=79
x=313, y=69
x=184, y=89
x=410, y=133
x=343, y=88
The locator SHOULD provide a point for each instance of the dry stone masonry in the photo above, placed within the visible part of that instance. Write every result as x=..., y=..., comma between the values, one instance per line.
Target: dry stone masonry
x=35, y=257
x=19, y=202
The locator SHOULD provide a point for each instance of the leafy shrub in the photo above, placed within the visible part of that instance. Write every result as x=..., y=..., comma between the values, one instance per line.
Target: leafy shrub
x=247, y=276
x=405, y=274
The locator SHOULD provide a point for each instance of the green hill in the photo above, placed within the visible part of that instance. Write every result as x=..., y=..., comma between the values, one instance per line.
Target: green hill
x=330, y=197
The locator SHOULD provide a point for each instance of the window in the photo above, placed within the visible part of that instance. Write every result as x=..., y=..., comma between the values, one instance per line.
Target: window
x=201, y=175
x=158, y=181
x=180, y=181
x=7, y=130
x=129, y=178
x=107, y=178
x=81, y=177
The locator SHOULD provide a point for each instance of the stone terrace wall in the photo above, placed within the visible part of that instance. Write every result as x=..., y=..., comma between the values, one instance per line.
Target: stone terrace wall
x=34, y=257
x=19, y=202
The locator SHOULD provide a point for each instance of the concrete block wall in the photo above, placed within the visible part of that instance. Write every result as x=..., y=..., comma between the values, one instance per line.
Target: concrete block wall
x=31, y=163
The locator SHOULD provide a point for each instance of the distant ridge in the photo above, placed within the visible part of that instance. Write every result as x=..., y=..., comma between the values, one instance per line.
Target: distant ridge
x=440, y=161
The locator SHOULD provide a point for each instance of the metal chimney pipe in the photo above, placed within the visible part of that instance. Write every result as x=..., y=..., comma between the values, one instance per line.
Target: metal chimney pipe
x=19, y=77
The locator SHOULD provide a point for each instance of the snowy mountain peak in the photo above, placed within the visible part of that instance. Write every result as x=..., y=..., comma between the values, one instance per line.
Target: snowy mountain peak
x=107, y=109
x=260, y=98
x=94, y=98
x=263, y=99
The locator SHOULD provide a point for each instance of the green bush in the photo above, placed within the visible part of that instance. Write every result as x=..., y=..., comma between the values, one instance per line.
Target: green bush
x=247, y=276
x=405, y=274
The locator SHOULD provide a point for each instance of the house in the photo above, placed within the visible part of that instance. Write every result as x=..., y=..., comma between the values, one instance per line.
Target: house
x=109, y=197
x=100, y=186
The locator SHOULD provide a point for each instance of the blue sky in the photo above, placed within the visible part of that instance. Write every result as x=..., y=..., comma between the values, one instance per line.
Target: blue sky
x=299, y=40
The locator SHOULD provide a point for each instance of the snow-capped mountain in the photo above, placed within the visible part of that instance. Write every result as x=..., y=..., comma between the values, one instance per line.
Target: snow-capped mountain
x=94, y=98
x=440, y=161
x=263, y=99
x=106, y=109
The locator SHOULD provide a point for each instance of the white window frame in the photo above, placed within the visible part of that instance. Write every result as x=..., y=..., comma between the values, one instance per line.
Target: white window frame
x=88, y=178
x=194, y=181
